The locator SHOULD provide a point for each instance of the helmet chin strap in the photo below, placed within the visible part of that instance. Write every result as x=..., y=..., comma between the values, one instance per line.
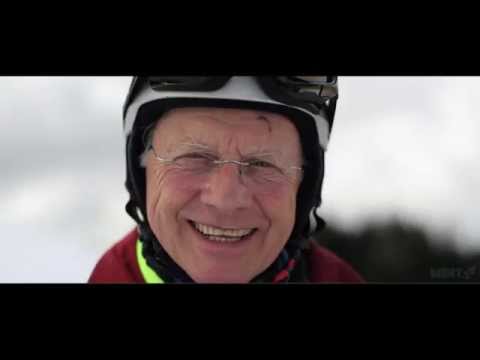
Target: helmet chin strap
x=313, y=220
x=317, y=224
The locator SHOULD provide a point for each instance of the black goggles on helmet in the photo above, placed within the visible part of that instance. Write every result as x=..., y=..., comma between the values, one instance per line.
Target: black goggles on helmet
x=210, y=83
x=310, y=92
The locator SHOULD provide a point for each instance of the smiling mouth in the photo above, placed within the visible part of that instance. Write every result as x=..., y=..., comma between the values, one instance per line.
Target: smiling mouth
x=221, y=235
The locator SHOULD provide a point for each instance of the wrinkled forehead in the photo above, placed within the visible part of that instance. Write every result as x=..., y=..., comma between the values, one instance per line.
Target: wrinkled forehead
x=216, y=127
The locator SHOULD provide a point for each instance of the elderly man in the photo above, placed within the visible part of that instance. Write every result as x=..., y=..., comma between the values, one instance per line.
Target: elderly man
x=225, y=176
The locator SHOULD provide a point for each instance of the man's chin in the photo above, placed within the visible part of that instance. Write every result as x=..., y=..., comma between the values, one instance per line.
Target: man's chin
x=213, y=276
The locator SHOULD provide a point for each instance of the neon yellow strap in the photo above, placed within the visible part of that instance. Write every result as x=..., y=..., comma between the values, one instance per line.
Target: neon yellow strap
x=148, y=274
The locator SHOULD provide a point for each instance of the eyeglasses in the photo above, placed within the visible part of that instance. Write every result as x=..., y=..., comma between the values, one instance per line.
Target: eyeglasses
x=256, y=172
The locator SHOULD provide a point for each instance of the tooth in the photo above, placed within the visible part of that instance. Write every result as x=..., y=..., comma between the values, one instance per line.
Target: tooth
x=218, y=238
x=239, y=232
x=223, y=239
x=213, y=231
x=232, y=232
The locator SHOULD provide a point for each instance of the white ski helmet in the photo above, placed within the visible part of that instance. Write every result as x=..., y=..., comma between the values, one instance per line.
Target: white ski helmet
x=308, y=101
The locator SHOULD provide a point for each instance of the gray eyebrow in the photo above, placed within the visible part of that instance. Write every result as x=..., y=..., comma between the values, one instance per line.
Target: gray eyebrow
x=197, y=145
x=259, y=154
x=250, y=155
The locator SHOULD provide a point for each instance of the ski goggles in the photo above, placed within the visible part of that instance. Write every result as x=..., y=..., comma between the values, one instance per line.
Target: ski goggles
x=211, y=83
x=310, y=92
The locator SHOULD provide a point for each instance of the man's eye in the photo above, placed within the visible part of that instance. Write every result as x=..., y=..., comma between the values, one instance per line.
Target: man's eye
x=193, y=161
x=261, y=164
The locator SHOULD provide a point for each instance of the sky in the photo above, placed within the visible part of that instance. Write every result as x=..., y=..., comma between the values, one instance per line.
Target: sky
x=401, y=147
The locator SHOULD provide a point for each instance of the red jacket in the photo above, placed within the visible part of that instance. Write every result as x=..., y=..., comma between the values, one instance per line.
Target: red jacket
x=119, y=265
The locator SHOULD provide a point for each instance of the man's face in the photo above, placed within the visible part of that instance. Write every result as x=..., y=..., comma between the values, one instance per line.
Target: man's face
x=190, y=211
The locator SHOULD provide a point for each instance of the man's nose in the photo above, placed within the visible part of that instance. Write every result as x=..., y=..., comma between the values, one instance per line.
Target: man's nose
x=225, y=189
